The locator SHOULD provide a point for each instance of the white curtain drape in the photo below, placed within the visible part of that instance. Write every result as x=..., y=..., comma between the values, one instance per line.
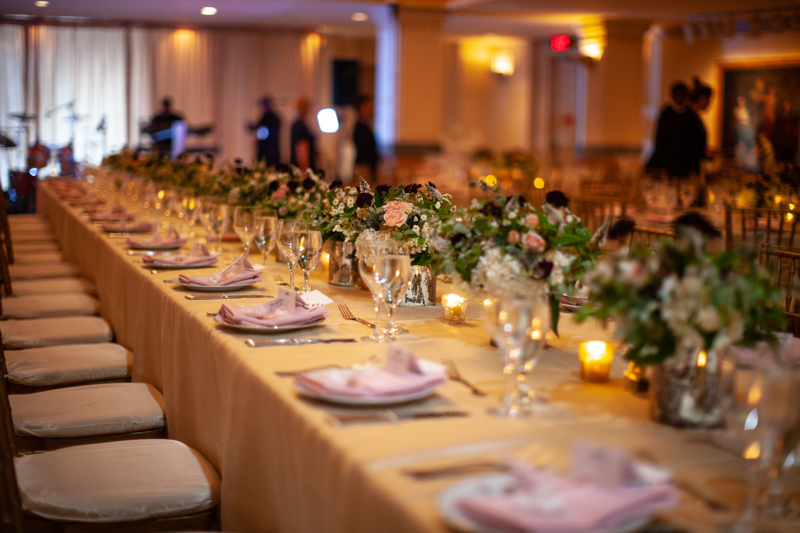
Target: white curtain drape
x=12, y=97
x=85, y=66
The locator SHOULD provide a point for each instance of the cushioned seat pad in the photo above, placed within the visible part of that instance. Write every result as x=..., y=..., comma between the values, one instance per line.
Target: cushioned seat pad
x=40, y=246
x=74, y=363
x=88, y=410
x=20, y=237
x=54, y=286
x=34, y=258
x=41, y=332
x=43, y=271
x=118, y=481
x=50, y=305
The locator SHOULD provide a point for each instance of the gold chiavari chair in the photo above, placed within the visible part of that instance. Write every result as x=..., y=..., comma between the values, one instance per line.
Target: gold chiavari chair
x=595, y=210
x=648, y=237
x=766, y=226
x=785, y=263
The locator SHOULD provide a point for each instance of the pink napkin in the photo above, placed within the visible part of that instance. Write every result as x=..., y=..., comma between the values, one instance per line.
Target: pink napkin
x=171, y=240
x=258, y=315
x=544, y=501
x=200, y=256
x=109, y=216
x=96, y=208
x=86, y=200
x=403, y=374
x=130, y=226
x=239, y=272
x=762, y=356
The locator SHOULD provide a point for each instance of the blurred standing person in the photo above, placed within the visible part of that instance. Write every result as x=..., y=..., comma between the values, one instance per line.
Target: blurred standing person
x=304, y=144
x=160, y=127
x=667, y=126
x=694, y=139
x=364, y=140
x=787, y=134
x=268, y=134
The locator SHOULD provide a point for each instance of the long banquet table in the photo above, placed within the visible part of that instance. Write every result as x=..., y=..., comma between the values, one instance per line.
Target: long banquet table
x=284, y=468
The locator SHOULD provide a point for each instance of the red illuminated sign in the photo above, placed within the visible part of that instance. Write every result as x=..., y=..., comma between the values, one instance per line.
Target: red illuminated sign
x=559, y=43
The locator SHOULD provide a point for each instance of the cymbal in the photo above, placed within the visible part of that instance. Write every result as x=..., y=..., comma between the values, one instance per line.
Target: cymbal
x=5, y=142
x=22, y=116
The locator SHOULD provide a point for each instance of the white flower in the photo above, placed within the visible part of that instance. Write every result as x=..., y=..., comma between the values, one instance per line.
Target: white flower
x=415, y=229
x=438, y=205
x=708, y=319
x=350, y=202
x=423, y=217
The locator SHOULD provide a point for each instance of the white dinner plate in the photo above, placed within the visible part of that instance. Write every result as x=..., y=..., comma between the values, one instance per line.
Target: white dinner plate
x=271, y=329
x=214, y=288
x=497, y=485
x=154, y=246
x=350, y=400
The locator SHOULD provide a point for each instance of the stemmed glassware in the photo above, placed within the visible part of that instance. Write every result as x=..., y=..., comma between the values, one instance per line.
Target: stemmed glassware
x=367, y=254
x=244, y=224
x=309, y=248
x=207, y=216
x=393, y=271
x=266, y=231
x=518, y=323
x=289, y=231
x=222, y=220
x=192, y=210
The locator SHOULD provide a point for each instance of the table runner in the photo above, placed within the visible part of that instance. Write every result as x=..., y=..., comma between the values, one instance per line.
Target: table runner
x=284, y=468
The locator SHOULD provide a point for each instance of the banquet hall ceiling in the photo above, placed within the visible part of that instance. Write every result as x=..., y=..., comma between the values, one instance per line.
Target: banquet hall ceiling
x=521, y=17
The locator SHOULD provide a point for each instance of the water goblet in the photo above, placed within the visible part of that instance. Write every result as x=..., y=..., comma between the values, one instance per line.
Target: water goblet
x=517, y=323
x=222, y=220
x=309, y=248
x=366, y=268
x=288, y=233
x=393, y=270
x=244, y=224
x=266, y=232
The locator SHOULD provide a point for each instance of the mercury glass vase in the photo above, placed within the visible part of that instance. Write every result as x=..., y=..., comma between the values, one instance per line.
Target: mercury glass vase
x=343, y=265
x=422, y=288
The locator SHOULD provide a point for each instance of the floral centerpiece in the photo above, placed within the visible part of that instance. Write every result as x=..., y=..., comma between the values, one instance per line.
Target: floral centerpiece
x=680, y=308
x=289, y=194
x=494, y=244
x=777, y=188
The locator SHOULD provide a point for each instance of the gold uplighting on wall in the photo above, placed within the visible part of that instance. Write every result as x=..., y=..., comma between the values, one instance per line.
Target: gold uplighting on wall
x=502, y=62
x=592, y=41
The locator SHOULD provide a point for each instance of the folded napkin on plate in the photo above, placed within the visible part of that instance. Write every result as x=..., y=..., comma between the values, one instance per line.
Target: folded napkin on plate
x=89, y=209
x=403, y=374
x=545, y=501
x=117, y=214
x=287, y=309
x=170, y=240
x=127, y=226
x=200, y=256
x=239, y=272
x=86, y=200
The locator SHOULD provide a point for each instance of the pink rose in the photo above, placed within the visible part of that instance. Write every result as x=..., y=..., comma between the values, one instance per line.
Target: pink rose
x=533, y=240
x=396, y=205
x=394, y=218
x=532, y=221
x=513, y=237
x=281, y=192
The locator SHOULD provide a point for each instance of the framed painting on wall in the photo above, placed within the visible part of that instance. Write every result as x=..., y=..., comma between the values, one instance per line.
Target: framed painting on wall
x=760, y=112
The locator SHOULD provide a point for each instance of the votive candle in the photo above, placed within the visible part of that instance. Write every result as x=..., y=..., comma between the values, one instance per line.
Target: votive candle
x=326, y=260
x=454, y=309
x=596, y=358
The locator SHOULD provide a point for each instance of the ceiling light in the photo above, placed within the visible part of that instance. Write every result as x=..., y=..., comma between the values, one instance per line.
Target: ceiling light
x=359, y=17
x=208, y=11
x=327, y=120
x=42, y=4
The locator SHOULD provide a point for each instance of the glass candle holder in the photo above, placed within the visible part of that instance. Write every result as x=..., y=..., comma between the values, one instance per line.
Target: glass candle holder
x=325, y=259
x=596, y=358
x=454, y=309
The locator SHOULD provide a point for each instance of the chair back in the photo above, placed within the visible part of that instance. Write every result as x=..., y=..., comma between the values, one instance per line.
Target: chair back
x=5, y=232
x=595, y=210
x=766, y=226
x=785, y=263
x=648, y=237
x=10, y=505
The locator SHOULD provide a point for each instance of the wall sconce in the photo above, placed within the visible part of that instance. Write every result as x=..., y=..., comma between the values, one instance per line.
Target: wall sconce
x=502, y=62
x=593, y=48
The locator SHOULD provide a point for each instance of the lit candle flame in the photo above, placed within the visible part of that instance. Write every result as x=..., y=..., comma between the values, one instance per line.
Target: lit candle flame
x=702, y=359
x=753, y=451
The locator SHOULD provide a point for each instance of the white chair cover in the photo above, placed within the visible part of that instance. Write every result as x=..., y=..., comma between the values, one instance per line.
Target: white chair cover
x=62, y=365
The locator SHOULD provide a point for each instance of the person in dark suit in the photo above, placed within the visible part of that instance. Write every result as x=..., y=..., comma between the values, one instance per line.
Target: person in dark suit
x=364, y=140
x=160, y=128
x=667, y=128
x=304, y=143
x=268, y=134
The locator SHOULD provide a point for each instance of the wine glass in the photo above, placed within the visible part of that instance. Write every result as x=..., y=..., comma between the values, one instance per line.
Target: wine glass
x=687, y=193
x=266, y=232
x=207, y=216
x=222, y=220
x=288, y=231
x=244, y=224
x=309, y=248
x=393, y=271
x=366, y=254
x=518, y=323
x=192, y=212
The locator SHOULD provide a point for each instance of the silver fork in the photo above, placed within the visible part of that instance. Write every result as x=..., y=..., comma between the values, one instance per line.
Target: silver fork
x=455, y=375
x=347, y=315
x=291, y=373
x=279, y=280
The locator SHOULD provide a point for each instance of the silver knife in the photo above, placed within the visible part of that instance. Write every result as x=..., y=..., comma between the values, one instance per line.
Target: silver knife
x=391, y=416
x=118, y=235
x=288, y=342
x=149, y=252
x=224, y=296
